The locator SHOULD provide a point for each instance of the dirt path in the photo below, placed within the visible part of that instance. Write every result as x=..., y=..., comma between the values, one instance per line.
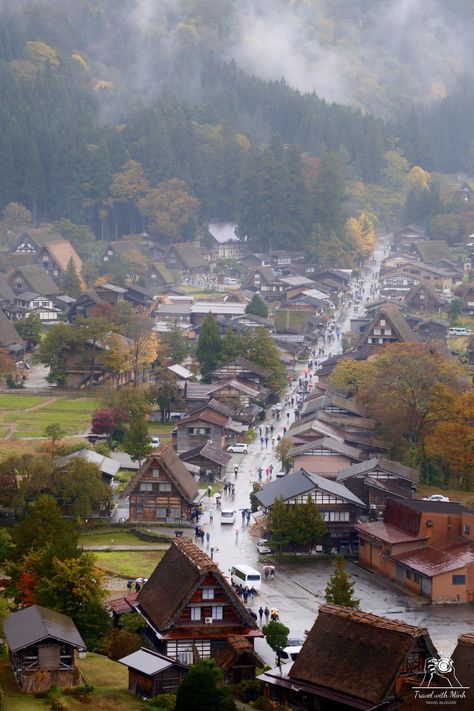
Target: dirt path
x=40, y=405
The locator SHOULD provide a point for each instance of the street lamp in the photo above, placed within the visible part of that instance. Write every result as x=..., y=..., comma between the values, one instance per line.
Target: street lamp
x=213, y=550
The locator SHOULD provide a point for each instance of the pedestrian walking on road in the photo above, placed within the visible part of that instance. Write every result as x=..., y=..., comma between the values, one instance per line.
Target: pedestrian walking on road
x=208, y=537
x=260, y=613
x=273, y=441
x=261, y=442
x=248, y=517
x=266, y=612
x=243, y=516
x=271, y=429
x=266, y=571
x=271, y=469
x=266, y=441
x=211, y=517
x=209, y=490
x=236, y=529
x=236, y=471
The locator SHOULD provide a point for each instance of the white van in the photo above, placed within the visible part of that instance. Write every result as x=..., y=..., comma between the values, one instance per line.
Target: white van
x=456, y=331
x=228, y=516
x=242, y=574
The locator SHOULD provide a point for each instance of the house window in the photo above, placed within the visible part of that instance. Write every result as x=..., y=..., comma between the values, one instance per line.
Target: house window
x=377, y=332
x=208, y=593
x=388, y=331
x=175, y=513
x=408, y=574
x=160, y=512
x=382, y=322
x=195, y=614
x=417, y=578
x=139, y=508
x=164, y=486
x=459, y=580
x=146, y=486
x=155, y=472
x=217, y=612
x=467, y=529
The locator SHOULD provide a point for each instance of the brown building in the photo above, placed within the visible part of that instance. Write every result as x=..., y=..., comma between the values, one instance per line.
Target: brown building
x=151, y=673
x=353, y=660
x=192, y=609
x=389, y=325
x=43, y=648
x=423, y=298
x=425, y=546
x=339, y=507
x=325, y=456
x=162, y=490
x=211, y=460
x=377, y=480
x=463, y=664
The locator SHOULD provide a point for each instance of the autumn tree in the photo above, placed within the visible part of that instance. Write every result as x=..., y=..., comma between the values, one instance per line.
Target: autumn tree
x=143, y=347
x=169, y=209
x=406, y=393
x=284, y=446
x=350, y=375
x=58, y=342
x=452, y=439
x=126, y=189
x=455, y=309
x=109, y=420
x=340, y=587
x=115, y=356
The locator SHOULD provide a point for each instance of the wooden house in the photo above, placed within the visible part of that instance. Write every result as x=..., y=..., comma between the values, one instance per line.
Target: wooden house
x=325, y=456
x=353, y=660
x=224, y=242
x=201, y=427
x=389, y=325
x=185, y=257
x=32, y=277
x=10, y=339
x=468, y=301
x=263, y=280
x=54, y=257
x=338, y=505
x=44, y=648
x=192, y=609
x=211, y=460
x=463, y=665
x=151, y=673
x=377, y=480
x=240, y=368
x=162, y=490
x=432, y=330
x=238, y=660
x=423, y=298
x=405, y=237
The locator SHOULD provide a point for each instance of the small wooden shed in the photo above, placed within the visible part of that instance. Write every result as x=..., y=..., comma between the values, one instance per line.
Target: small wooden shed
x=151, y=673
x=43, y=648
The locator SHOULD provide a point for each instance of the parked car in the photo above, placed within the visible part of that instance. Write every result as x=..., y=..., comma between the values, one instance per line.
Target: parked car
x=154, y=441
x=238, y=448
x=436, y=497
x=262, y=546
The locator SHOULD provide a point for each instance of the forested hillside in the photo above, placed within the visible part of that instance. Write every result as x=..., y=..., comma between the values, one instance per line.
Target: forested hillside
x=89, y=85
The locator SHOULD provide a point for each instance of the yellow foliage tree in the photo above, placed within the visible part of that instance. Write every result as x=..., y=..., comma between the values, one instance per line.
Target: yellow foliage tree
x=418, y=178
x=42, y=53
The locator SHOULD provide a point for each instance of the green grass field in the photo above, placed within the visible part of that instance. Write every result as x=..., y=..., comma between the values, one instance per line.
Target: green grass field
x=131, y=564
x=112, y=538
x=72, y=413
x=109, y=679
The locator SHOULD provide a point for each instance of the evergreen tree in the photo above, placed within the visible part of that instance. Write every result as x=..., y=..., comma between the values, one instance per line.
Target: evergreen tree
x=340, y=587
x=257, y=307
x=209, y=346
x=202, y=689
x=71, y=281
x=136, y=441
x=263, y=351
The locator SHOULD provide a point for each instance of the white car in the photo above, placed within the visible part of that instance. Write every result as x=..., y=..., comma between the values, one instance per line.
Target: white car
x=262, y=546
x=436, y=497
x=238, y=448
x=154, y=441
x=227, y=516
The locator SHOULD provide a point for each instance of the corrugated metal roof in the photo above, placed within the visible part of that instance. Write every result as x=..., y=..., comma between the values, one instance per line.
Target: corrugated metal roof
x=147, y=662
x=302, y=482
x=35, y=623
